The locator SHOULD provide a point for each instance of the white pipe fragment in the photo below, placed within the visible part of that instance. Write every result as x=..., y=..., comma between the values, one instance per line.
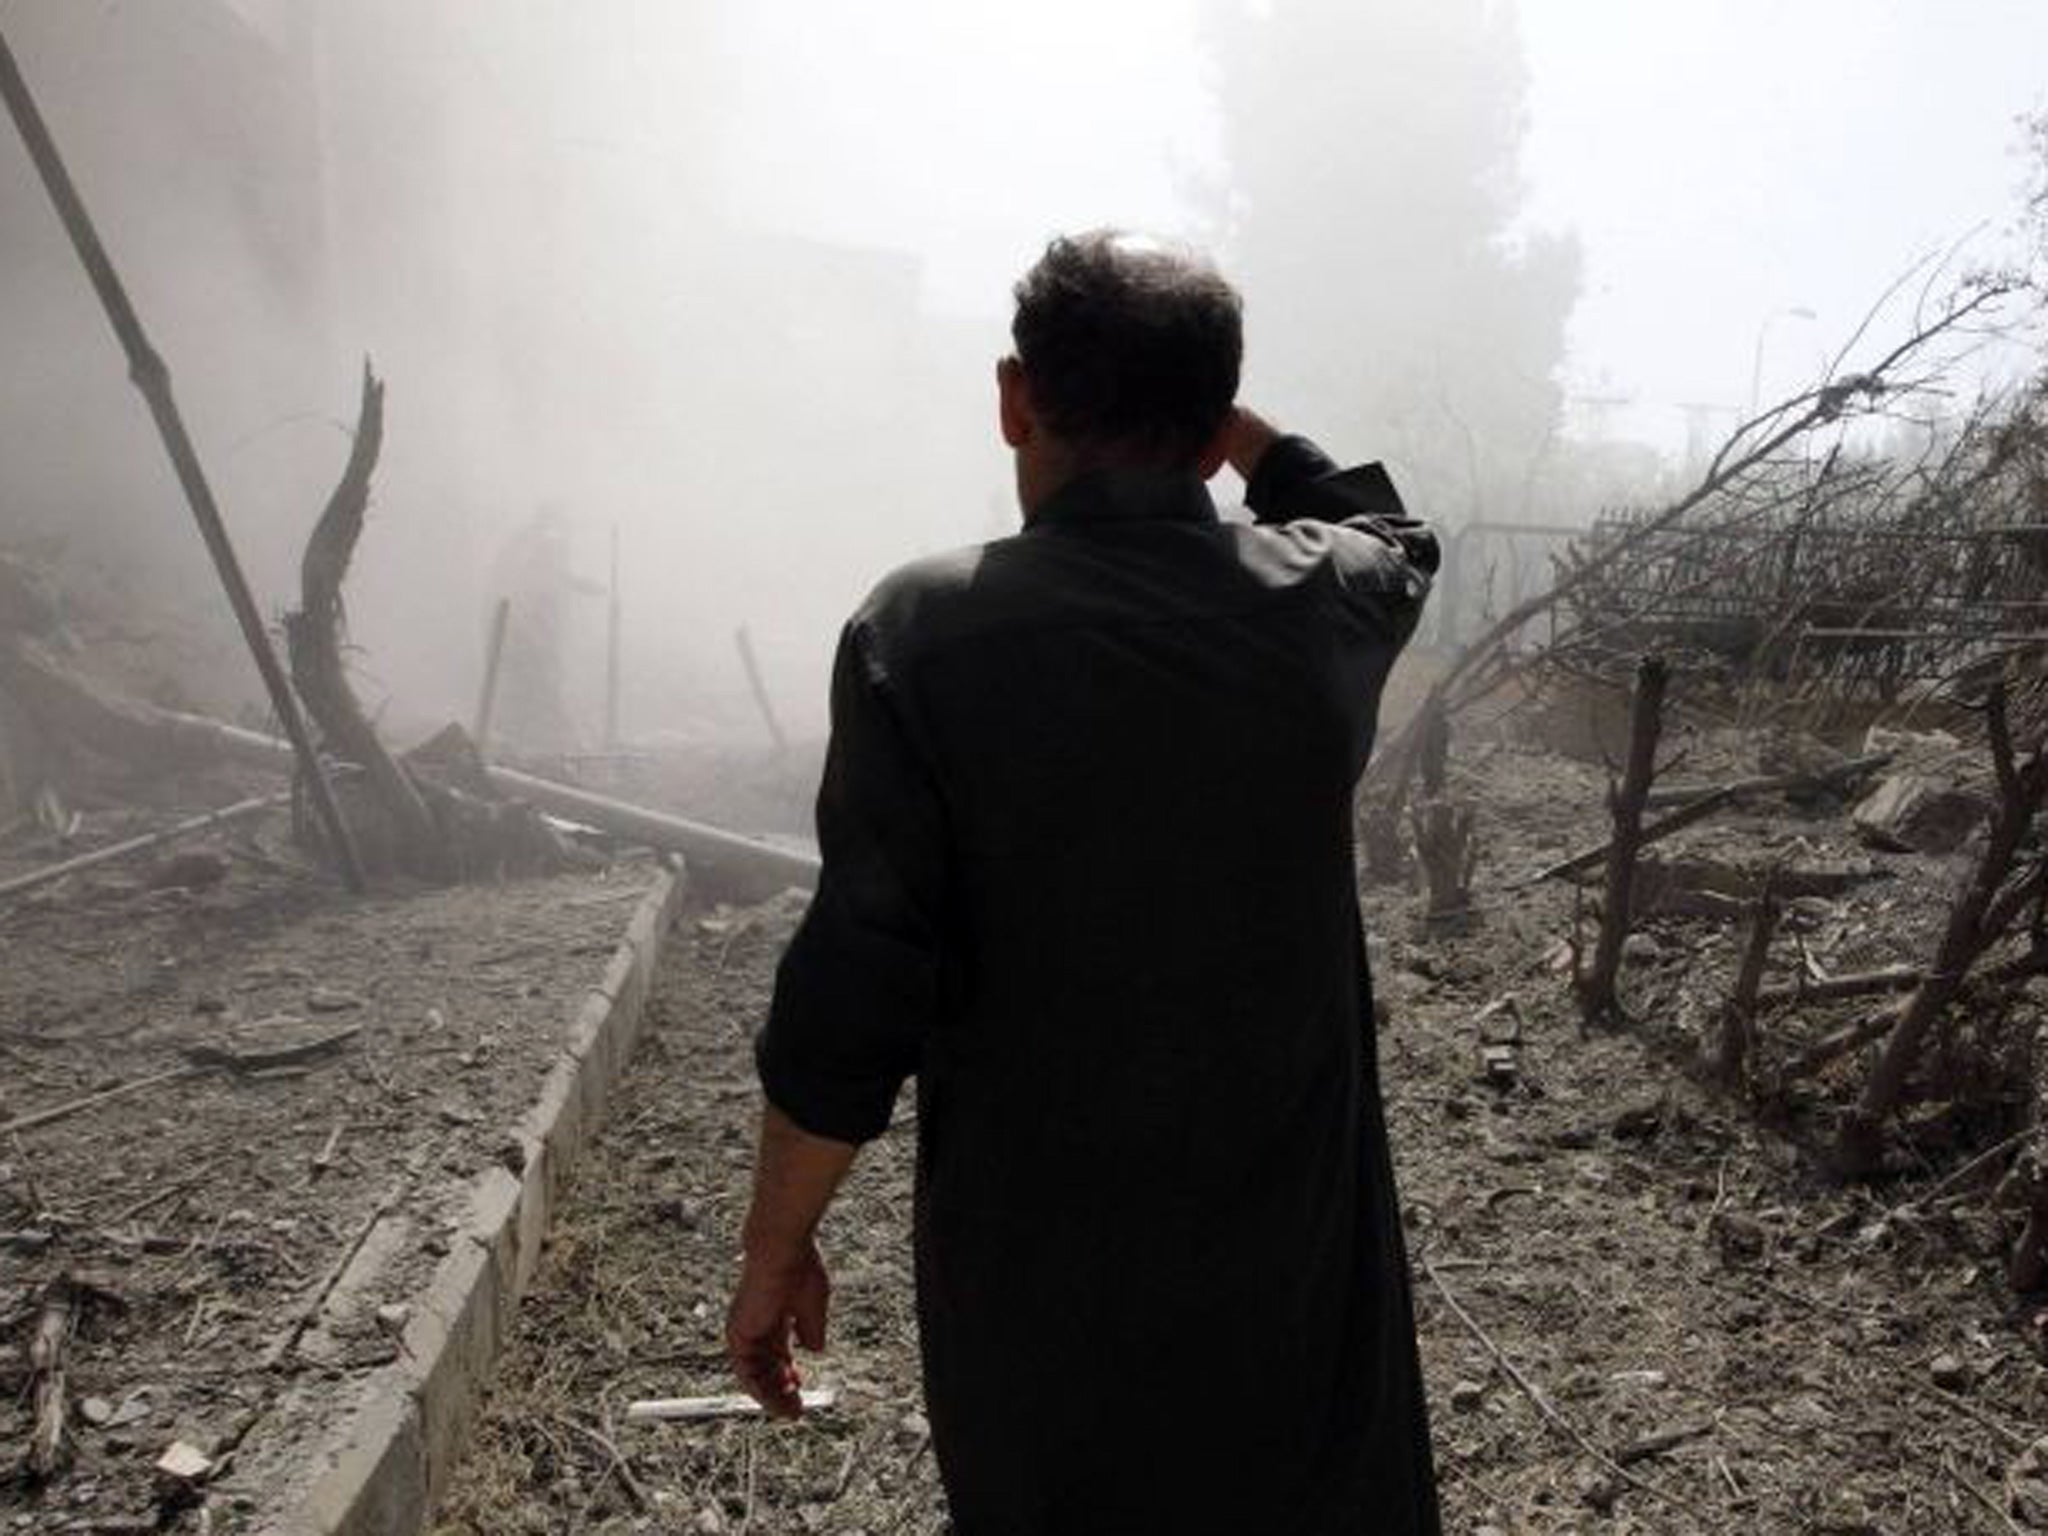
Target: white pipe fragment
x=670, y=1410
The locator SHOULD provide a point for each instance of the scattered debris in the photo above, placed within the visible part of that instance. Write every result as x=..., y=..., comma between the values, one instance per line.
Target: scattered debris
x=50, y=1429
x=1911, y=813
x=663, y=1410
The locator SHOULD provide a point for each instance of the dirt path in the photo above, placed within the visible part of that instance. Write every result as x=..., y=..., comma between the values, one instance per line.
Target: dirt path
x=1722, y=1338
x=193, y=1221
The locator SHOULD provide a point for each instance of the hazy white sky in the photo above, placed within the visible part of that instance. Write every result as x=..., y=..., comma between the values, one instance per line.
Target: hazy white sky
x=1721, y=161
x=1729, y=161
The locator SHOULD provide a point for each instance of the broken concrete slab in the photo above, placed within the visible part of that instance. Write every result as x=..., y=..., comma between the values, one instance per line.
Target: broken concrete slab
x=1914, y=812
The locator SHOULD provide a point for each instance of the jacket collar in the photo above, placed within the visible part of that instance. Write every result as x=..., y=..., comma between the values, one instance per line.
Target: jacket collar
x=1126, y=495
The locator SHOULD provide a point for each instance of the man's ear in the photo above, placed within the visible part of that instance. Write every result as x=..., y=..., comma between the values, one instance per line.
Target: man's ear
x=1013, y=401
x=1216, y=451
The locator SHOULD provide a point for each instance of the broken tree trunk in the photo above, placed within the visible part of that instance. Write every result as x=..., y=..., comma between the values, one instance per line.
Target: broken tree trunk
x=313, y=635
x=1448, y=850
x=1986, y=909
x=1444, y=830
x=1738, y=1020
x=433, y=831
x=1842, y=773
x=1597, y=984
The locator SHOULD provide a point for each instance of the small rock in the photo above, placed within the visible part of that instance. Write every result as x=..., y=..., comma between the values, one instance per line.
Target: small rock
x=134, y=1409
x=1467, y=1396
x=394, y=1316
x=184, y=1462
x=330, y=1000
x=1641, y=949
x=96, y=1411
x=207, y=1003
x=1950, y=1372
x=711, y=1521
x=915, y=1425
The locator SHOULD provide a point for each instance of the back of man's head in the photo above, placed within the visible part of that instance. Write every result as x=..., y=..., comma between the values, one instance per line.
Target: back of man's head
x=1130, y=347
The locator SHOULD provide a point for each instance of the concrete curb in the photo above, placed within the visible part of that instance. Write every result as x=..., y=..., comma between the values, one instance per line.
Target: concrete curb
x=383, y=1475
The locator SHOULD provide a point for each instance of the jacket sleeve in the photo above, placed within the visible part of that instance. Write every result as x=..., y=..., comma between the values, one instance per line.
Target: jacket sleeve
x=856, y=992
x=1386, y=560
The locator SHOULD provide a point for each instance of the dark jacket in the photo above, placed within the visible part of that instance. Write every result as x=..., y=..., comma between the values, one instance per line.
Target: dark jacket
x=1088, y=876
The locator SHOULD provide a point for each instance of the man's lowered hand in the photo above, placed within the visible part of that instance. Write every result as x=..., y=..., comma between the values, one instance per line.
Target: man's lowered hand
x=775, y=1298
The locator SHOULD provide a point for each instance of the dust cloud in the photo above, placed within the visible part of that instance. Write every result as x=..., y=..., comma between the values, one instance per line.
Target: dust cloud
x=725, y=284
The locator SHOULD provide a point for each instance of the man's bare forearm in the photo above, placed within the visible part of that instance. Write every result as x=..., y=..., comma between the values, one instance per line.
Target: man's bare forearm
x=795, y=1176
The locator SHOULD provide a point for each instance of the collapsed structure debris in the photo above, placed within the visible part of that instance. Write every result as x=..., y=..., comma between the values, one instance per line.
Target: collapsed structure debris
x=1660, y=580
x=152, y=377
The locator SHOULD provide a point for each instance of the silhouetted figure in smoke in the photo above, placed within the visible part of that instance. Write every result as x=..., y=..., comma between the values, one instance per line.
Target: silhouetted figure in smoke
x=535, y=570
x=1086, y=824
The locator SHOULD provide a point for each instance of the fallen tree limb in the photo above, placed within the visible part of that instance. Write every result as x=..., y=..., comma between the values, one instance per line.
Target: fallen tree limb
x=50, y=873
x=1774, y=783
x=1696, y=805
x=264, y=1061
x=1898, y=979
x=68, y=706
x=731, y=864
x=42, y=1117
x=1893, y=978
x=1592, y=858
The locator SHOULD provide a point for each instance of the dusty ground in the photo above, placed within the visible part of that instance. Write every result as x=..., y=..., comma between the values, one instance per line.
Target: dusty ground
x=196, y=1213
x=1689, y=1296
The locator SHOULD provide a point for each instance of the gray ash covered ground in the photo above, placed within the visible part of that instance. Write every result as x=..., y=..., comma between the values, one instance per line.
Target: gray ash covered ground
x=195, y=1213
x=1760, y=1347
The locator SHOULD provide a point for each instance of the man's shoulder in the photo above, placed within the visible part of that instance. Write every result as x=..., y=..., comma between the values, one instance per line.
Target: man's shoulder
x=939, y=599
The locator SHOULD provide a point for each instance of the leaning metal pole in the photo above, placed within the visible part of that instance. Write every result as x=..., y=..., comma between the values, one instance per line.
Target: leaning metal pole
x=150, y=375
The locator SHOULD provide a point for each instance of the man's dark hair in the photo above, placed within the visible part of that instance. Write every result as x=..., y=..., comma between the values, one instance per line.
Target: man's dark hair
x=1129, y=346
